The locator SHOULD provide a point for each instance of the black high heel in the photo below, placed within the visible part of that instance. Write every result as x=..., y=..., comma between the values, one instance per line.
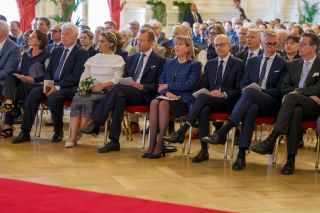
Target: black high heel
x=146, y=155
x=154, y=156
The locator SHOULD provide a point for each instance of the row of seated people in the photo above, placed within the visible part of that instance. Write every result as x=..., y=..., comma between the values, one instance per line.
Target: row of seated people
x=178, y=79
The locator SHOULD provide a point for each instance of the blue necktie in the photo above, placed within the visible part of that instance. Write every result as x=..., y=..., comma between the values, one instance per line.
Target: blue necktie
x=219, y=75
x=139, y=68
x=263, y=70
x=63, y=58
x=304, y=74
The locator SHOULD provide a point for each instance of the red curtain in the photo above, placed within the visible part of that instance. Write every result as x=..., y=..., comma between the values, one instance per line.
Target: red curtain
x=115, y=8
x=27, y=13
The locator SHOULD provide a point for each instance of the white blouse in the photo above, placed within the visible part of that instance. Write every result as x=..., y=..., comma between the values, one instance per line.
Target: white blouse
x=104, y=68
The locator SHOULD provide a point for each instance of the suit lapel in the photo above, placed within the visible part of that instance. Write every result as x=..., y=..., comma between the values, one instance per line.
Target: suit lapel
x=68, y=60
x=134, y=64
x=273, y=68
x=227, y=69
x=212, y=79
x=5, y=46
x=148, y=65
x=313, y=69
x=257, y=74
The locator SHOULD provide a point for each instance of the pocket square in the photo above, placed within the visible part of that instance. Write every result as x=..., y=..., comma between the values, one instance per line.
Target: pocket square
x=315, y=74
x=153, y=66
x=277, y=71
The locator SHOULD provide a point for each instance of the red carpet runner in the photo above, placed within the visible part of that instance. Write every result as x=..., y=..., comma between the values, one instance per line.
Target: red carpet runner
x=20, y=196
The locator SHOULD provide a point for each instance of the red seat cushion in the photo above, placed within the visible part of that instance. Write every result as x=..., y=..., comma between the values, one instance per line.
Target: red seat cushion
x=1, y=98
x=308, y=125
x=133, y=109
x=265, y=120
x=218, y=116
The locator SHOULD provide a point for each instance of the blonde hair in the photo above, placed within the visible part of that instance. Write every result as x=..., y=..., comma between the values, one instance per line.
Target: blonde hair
x=112, y=38
x=188, y=41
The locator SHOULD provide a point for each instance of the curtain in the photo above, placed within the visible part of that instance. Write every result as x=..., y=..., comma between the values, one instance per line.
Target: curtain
x=27, y=13
x=115, y=8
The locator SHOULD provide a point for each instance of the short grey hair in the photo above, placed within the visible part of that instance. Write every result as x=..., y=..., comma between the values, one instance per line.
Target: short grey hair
x=256, y=31
x=127, y=33
x=267, y=33
x=155, y=22
x=282, y=31
x=4, y=28
x=72, y=27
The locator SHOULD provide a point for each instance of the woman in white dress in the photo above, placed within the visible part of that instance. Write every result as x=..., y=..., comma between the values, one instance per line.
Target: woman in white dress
x=106, y=68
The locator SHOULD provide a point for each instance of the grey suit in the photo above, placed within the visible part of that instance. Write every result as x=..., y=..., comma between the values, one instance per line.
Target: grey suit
x=9, y=60
x=297, y=106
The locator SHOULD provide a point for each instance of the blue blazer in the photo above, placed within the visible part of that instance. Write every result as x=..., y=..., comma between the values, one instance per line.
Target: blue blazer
x=183, y=81
x=9, y=59
x=275, y=77
x=231, y=80
x=72, y=69
x=150, y=75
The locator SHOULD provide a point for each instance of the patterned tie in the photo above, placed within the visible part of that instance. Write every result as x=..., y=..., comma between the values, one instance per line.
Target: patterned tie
x=219, y=75
x=263, y=70
x=304, y=74
x=139, y=68
x=241, y=48
x=63, y=58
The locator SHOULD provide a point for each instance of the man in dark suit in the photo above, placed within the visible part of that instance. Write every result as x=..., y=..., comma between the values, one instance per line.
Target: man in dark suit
x=222, y=78
x=301, y=102
x=9, y=54
x=193, y=16
x=16, y=32
x=160, y=36
x=261, y=96
x=145, y=68
x=253, y=44
x=242, y=38
x=65, y=68
x=55, y=33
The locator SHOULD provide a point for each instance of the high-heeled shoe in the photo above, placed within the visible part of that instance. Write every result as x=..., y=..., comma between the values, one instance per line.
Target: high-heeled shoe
x=70, y=143
x=154, y=156
x=146, y=155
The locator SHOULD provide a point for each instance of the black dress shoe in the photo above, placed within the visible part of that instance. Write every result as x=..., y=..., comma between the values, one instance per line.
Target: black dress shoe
x=22, y=137
x=288, y=169
x=201, y=156
x=146, y=155
x=90, y=129
x=263, y=148
x=170, y=149
x=155, y=156
x=239, y=164
x=214, y=139
x=174, y=138
x=109, y=147
x=57, y=136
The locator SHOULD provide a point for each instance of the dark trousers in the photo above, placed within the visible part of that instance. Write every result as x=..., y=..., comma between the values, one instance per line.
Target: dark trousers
x=55, y=104
x=114, y=103
x=251, y=104
x=201, y=109
x=295, y=108
x=18, y=92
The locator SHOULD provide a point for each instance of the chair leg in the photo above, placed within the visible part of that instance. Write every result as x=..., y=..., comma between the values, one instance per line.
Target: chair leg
x=232, y=142
x=275, y=151
x=40, y=121
x=226, y=148
x=318, y=150
x=189, y=140
x=144, y=131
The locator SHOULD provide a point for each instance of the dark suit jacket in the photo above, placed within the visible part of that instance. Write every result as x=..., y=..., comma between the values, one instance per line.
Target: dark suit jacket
x=231, y=80
x=72, y=69
x=292, y=78
x=182, y=79
x=189, y=18
x=243, y=55
x=9, y=59
x=52, y=46
x=151, y=73
x=275, y=76
x=163, y=41
x=236, y=49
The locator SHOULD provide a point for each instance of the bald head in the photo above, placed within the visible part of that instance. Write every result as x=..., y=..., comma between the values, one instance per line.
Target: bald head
x=222, y=45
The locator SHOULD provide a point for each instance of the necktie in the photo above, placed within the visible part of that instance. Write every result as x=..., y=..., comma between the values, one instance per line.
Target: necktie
x=219, y=75
x=241, y=48
x=304, y=74
x=63, y=58
x=139, y=67
x=263, y=70
x=251, y=54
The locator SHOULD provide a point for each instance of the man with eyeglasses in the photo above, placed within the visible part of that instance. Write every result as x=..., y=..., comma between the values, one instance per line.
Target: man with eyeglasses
x=301, y=102
x=222, y=77
x=261, y=95
x=253, y=41
x=55, y=33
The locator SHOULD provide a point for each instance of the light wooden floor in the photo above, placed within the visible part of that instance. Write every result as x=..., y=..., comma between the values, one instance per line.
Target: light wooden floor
x=211, y=184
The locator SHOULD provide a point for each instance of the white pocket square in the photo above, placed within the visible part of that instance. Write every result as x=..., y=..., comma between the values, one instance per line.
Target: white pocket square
x=153, y=66
x=277, y=71
x=315, y=74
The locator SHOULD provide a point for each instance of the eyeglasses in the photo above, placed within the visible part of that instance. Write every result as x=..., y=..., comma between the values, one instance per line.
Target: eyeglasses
x=270, y=45
x=222, y=45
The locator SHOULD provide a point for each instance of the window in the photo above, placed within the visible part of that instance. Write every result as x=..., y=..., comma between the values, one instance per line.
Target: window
x=10, y=10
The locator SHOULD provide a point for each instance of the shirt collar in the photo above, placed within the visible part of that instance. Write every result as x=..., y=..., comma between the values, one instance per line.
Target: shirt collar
x=225, y=59
x=311, y=60
x=270, y=57
x=148, y=53
x=70, y=48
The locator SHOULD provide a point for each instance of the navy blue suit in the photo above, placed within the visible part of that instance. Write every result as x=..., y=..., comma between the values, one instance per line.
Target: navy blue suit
x=189, y=18
x=9, y=60
x=68, y=83
x=206, y=104
x=253, y=102
x=122, y=95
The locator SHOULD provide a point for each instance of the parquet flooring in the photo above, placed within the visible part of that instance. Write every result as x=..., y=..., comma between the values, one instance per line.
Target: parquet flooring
x=211, y=184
